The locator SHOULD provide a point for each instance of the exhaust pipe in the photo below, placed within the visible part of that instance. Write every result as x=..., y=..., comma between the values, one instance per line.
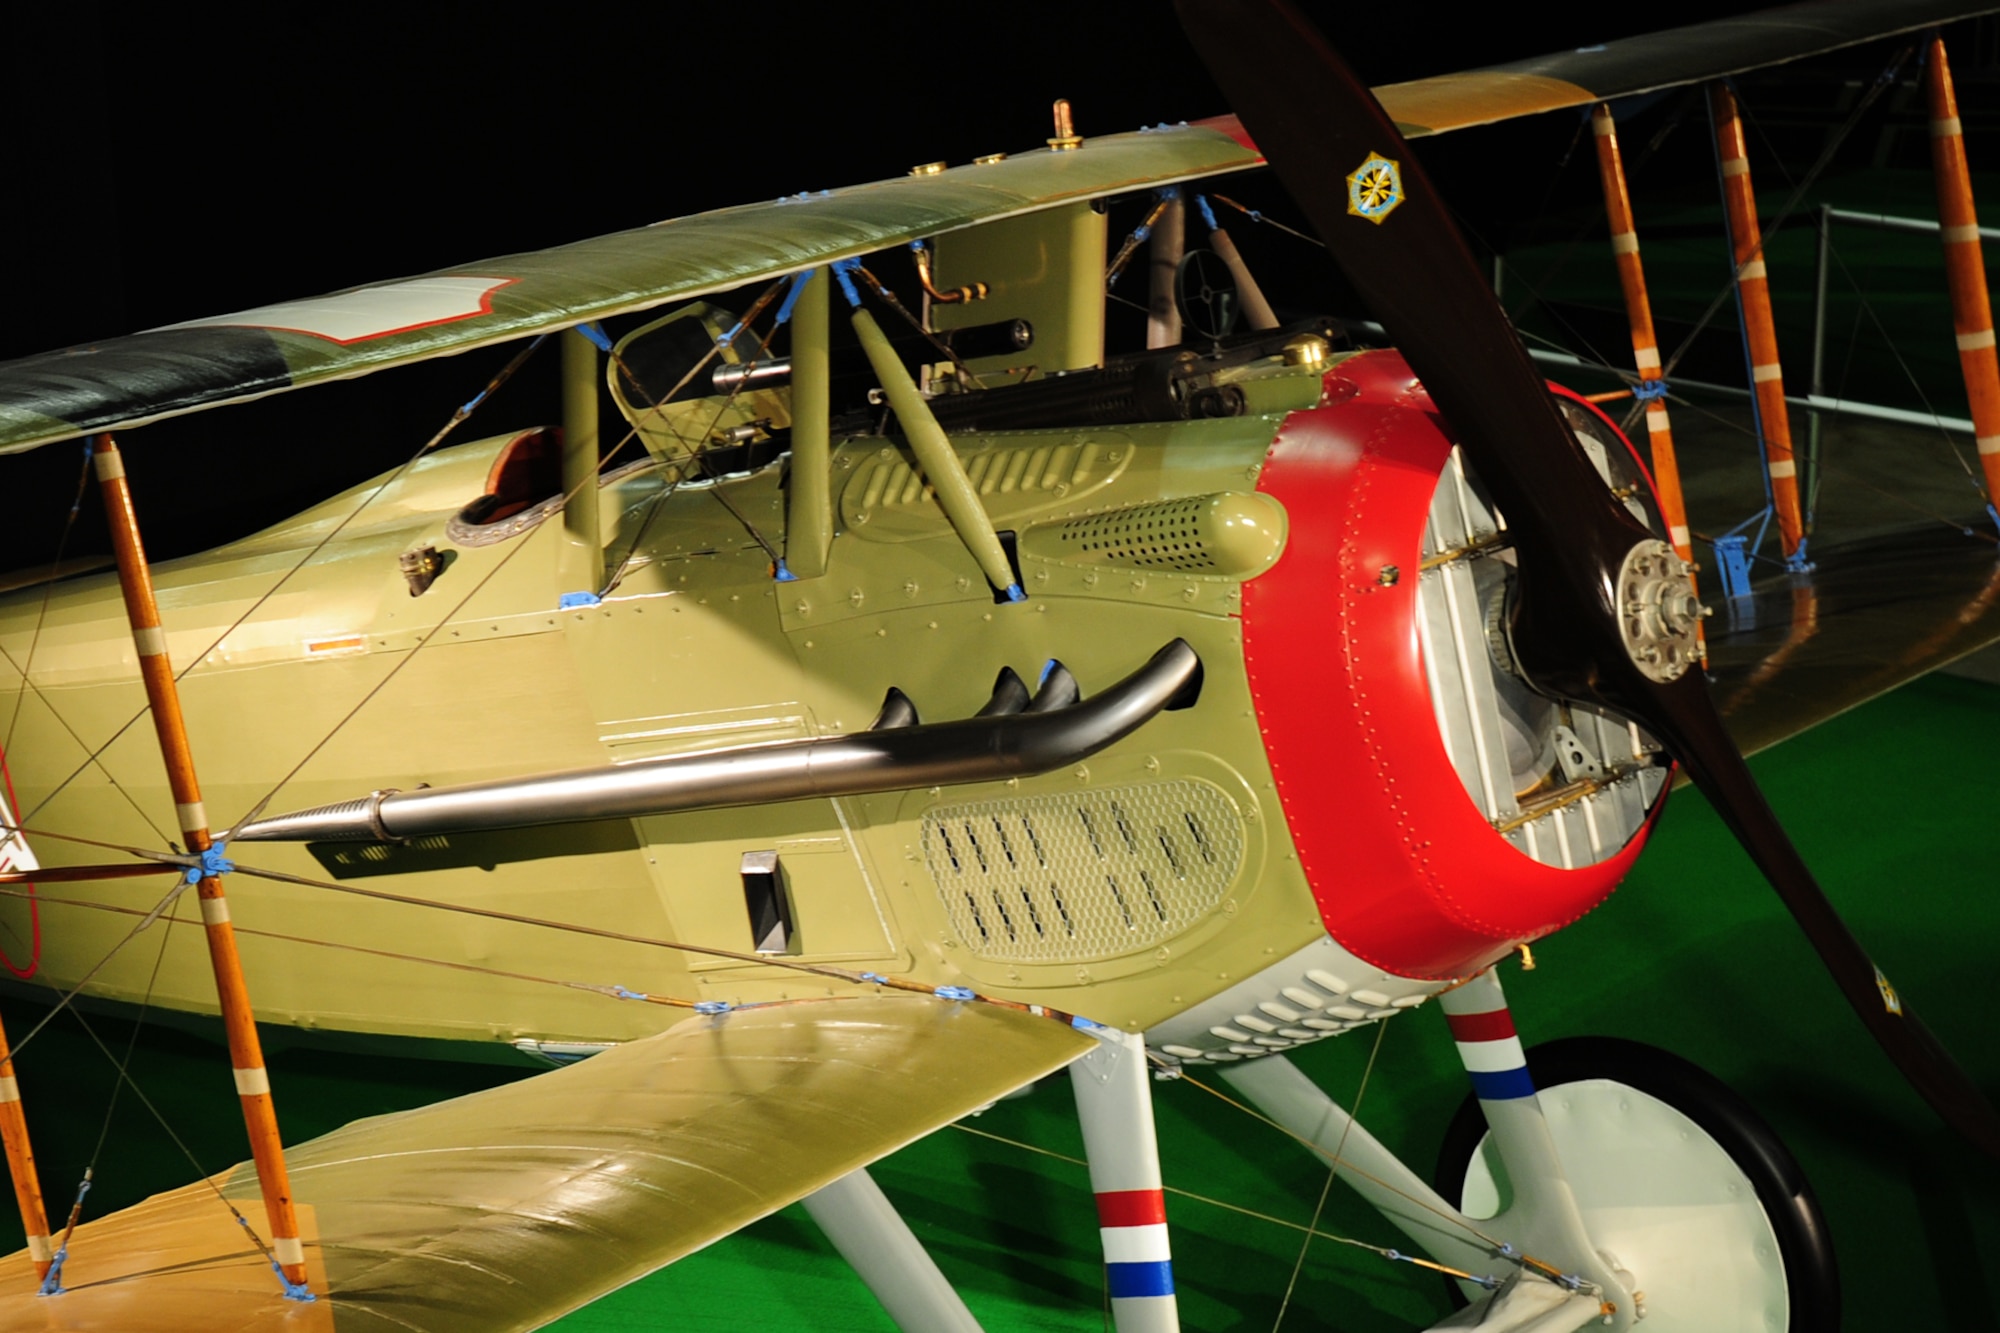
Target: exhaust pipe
x=1054, y=730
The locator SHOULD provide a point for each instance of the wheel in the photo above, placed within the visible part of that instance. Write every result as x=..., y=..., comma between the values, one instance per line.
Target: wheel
x=1680, y=1184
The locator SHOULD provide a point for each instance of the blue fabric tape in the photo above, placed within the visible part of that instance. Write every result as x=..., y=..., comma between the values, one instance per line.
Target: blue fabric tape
x=214, y=865
x=954, y=993
x=569, y=601
x=1151, y=1278
x=1207, y=213
x=1647, y=390
x=799, y=281
x=842, y=270
x=1504, y=1085
x=595, y=332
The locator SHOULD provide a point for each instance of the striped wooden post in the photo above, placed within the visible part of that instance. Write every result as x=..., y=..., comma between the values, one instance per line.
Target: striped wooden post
x=21, y=1163
x=1965, y=266
x=246, y=1056
x=1114, y=1103
x=1754, y=291
x=1639, y=314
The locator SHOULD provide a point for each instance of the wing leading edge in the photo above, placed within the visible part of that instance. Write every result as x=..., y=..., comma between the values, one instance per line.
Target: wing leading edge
x=509, y=1207
x=1635, y=65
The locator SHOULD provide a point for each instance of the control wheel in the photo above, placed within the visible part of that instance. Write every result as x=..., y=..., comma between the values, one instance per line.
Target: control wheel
x=1680, y=1183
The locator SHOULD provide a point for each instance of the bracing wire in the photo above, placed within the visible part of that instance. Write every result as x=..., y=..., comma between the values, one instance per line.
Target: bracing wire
x=505, y=374
x=48, y=591
x=1333, y=1169
x=125, y=1078
x=1861, y=107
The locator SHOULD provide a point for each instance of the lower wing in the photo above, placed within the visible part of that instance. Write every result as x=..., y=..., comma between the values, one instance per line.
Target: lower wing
x=509, y=1207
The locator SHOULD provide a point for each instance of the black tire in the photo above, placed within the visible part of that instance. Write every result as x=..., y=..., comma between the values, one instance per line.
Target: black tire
x=1812, y=1277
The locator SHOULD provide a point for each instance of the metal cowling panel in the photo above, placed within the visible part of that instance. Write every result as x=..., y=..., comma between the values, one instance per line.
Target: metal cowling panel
x=1079, y=876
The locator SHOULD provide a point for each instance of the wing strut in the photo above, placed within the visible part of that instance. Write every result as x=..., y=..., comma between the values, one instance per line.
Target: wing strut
x=939, y=461
x=246, y=1055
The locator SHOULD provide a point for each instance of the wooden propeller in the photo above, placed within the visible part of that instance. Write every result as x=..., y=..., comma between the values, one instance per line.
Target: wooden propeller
x=1318, y=126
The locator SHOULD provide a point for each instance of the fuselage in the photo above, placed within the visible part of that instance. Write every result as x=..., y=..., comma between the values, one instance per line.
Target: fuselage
x=1309, y=821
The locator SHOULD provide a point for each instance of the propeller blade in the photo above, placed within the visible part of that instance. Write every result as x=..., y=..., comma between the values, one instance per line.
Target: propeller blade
x=1581, y=554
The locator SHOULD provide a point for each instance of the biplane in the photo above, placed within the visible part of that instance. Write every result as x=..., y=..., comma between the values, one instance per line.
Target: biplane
x=906, y=702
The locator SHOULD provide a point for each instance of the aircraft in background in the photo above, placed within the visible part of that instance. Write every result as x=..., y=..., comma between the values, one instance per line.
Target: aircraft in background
x=929, y=708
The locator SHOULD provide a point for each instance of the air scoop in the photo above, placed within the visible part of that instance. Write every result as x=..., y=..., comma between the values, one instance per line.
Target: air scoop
x=977, y=749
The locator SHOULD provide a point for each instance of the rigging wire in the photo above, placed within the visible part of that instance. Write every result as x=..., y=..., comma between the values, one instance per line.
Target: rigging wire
x=131, y=1045
x=34, y=910
x=1333, y=1169
x=1309, y=1232
x=1501, y=1249
x=207, y=1178
x=680, y=946
x=1867, y=308
x=1882, y=83
x=91, y=756
x=614, y=991
x=431, y=634
x=690, y=452
x=1638, y=163
x=48, y=591
x=66, y=996
x=505, y=374
x=1256, y=216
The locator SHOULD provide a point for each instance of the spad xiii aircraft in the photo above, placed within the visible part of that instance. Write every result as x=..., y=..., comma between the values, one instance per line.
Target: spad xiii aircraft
x=913, y=703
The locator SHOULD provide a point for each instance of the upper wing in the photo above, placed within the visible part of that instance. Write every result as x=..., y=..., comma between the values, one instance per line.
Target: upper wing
x=1658, y=60
x=1871, y=616
x=509, y=1207
x=167, y=372
x=233, y=358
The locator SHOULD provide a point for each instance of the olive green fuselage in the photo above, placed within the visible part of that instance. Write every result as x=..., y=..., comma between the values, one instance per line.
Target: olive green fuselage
x=345, y=676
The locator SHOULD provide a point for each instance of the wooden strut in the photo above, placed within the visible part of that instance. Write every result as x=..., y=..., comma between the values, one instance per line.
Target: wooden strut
x=1639, y=314
x=246, y=1056
x=21, y=1163
x=1965, y=266
x=1767, y=381
x=1645, y=344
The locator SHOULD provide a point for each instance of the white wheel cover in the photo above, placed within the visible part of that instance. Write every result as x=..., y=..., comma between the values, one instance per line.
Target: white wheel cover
x=1661, y=1198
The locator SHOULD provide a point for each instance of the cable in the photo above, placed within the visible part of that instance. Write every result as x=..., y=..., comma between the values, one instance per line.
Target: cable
x=1298, y=1265
x=465, y=410
x=48, y=591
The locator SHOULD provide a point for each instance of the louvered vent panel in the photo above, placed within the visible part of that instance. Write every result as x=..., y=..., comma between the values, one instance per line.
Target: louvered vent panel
x=1169, y=535
x=1090, y=875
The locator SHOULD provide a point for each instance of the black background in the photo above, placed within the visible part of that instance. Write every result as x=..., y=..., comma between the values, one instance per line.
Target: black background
x=168, y=165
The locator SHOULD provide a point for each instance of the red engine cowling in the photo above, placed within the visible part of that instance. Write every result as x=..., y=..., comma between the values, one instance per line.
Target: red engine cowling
x=1410, y=872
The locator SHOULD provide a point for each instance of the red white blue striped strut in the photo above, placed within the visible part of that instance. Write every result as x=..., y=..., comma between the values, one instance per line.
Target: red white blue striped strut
x=1114, y=1102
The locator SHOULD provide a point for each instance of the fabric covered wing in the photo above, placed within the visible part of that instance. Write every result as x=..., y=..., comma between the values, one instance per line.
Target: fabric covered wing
x=506, y=1208
x=1700, y=51
x=232, y=358
x=1871, y=616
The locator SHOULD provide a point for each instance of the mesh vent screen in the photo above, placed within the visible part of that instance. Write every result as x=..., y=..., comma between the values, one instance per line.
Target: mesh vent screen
x=1088, y=875
x=1167, y=535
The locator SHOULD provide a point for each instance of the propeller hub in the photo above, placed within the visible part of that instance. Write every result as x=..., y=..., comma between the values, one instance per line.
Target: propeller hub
x=1659, y=616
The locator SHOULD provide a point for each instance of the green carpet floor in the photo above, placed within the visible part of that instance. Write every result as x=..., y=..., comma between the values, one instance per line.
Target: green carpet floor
x=1893, y=804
